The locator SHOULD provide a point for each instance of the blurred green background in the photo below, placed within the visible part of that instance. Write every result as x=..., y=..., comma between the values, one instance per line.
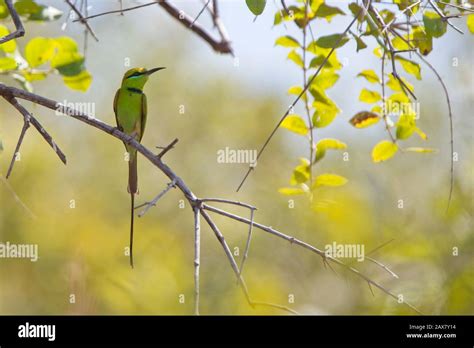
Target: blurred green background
x=82, y=249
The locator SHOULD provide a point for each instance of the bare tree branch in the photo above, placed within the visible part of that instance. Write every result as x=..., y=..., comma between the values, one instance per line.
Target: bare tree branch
x=221, y=46
x=20, y=31
x=82, y=19
x=12, y=92
x=197, y=255
x=28, y=118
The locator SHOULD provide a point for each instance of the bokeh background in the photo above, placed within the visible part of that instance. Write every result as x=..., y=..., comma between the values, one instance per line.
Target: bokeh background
x=82, y=249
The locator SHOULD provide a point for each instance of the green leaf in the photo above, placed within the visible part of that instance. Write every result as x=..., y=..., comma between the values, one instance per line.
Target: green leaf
x=7, y=63
x=328, y=12
x=256, y=6
x=46, y=13
x=325, y=109
x=39, y=51
x=9, y=46
x=321, y=54
x=369, y=97
x=470, y=23
x=383, y=151
x=329, y=180
x=360, y=43
x=364, y=119
x=3, y=10
x=80, y=82
x=434, y=24
x=295, y=124
x=370, y=76
x=330, y=41
x=72, y=69
x=327, y=144
x=410, y=67
x=287, y=41
x=296, y=58
x=423, y=41
x=26, y=7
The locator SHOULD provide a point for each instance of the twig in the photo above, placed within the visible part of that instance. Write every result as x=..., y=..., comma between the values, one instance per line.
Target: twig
x=26, y=125
x=200, y=13
x=20, y=31
x=167, y=148
x=451, y=128
x=235, y=268
x=222, y=46
x=247, y=244
x=305, y=245
x=305, y=88
x=197, y=256
x=228, y=201
x=29, y=118
x=384, y=107
x=148, y=205
x=121, y=11
x=82, y=19
x=445, y=18
x=17, y=199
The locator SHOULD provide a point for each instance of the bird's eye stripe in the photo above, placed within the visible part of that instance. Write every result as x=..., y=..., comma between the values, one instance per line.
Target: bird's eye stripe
x=135, y=74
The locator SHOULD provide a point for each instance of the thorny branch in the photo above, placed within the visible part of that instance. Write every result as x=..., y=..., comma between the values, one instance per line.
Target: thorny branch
x=222, y=46
x=199, y=207
x=194, y=201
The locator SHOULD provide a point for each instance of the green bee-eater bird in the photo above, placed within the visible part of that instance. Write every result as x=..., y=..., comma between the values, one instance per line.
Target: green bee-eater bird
x=130, y=113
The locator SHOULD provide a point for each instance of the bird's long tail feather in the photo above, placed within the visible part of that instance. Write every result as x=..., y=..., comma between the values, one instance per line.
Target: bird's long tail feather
x=132, y=208
x=132, y=188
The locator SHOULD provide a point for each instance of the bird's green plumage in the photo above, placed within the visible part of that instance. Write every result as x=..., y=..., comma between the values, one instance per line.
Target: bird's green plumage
x=130, y=107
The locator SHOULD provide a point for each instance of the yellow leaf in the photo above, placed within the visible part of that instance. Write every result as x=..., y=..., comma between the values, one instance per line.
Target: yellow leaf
x=296, y=58
x=39, y=51
x=421, y=134
x=287, y=41
x=295, y=124
x=7, y=63
x=9, y=46
x=383, y=151
x=328, y=144
x=406, y=125
x=369, y=75
x=80, y=82
x=420, y=149
x=369, y=97
x=300, y=173
x=329, y=180
x=29, y=76
x=410, y=67
x=364, y=119
x=470, y=23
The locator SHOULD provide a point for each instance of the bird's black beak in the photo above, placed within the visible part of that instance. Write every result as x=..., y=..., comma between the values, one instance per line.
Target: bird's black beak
x=151, y=71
